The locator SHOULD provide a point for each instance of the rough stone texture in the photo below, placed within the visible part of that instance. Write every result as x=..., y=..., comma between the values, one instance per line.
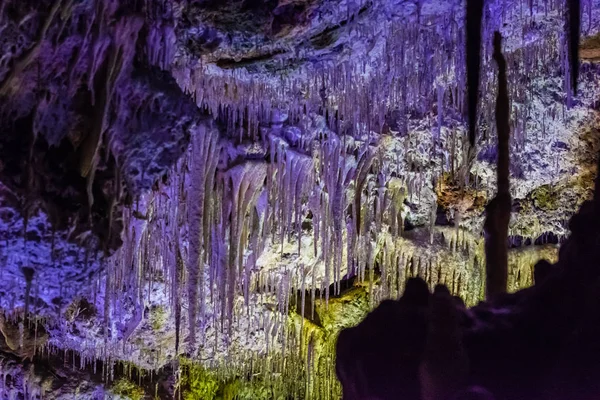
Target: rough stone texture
x=286, y=36
x=590, y=49
x=62, y=377
x=48, y=114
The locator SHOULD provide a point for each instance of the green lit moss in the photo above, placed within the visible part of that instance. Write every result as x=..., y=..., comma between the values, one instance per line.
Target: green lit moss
x=158, y=317
x=196, y=382
x=344, y=311
x=231, y=390
x=238, y=389
x=545, y=198
x=125, y=388
x=521, y=262
x=583, y=184
x=526, y=226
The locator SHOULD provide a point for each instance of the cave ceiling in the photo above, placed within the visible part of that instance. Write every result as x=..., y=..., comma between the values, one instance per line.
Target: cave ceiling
x=226, y=180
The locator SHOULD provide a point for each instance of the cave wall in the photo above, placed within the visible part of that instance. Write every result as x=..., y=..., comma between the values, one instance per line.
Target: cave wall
x=89, y=122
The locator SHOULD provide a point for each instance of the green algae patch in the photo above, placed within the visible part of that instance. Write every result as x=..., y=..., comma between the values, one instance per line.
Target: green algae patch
x=344, y=311
x=521, y=263
x=158, y=317
x=196, y=382
x=545, y=198
x=527, y=226
x=199, y=383
x=127, y=389
x=239, y=389
x=583, y=184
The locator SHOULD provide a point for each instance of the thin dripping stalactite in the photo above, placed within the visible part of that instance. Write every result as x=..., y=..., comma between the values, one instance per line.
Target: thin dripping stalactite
x=473, y=57
x=176, y=279
x=574, y=32
x=204, y=148
x=473, y=36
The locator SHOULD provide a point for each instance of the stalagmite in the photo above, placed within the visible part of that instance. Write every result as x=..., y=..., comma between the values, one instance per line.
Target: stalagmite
x=498, y=210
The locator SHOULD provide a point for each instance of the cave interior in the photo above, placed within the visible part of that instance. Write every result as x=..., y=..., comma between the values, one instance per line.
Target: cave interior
x=300, y=199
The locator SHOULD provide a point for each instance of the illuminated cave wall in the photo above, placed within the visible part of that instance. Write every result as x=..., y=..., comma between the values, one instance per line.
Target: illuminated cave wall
x=324, y=164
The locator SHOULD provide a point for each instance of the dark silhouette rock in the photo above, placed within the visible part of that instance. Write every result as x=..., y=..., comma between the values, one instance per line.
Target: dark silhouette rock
x=539, y=343
x=372, y=366
x=474, y=393
x=542, y=269
x=444, y=366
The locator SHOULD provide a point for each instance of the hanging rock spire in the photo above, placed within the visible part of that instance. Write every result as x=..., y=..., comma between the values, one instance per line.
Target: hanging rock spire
x=204, y=154
x=474, y=17
x=498, y=210
x=574, y=30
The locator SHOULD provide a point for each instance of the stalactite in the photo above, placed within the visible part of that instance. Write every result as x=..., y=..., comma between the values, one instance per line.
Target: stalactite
x=245, y=185
x=363, y=168
x=204, y=151
x=574, y=31
x=498, y=210
x=107, y=318
x=337, y=208
x=315, y=206
x=121, y=54
x=440, y=112
x=28, y=273
x=25, y=60
x=432, y=219
x=474, y=18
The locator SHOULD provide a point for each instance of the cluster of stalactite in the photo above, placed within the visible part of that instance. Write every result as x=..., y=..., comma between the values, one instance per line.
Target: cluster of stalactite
x=224, y=215
x=415, y=57
x=202, y=231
